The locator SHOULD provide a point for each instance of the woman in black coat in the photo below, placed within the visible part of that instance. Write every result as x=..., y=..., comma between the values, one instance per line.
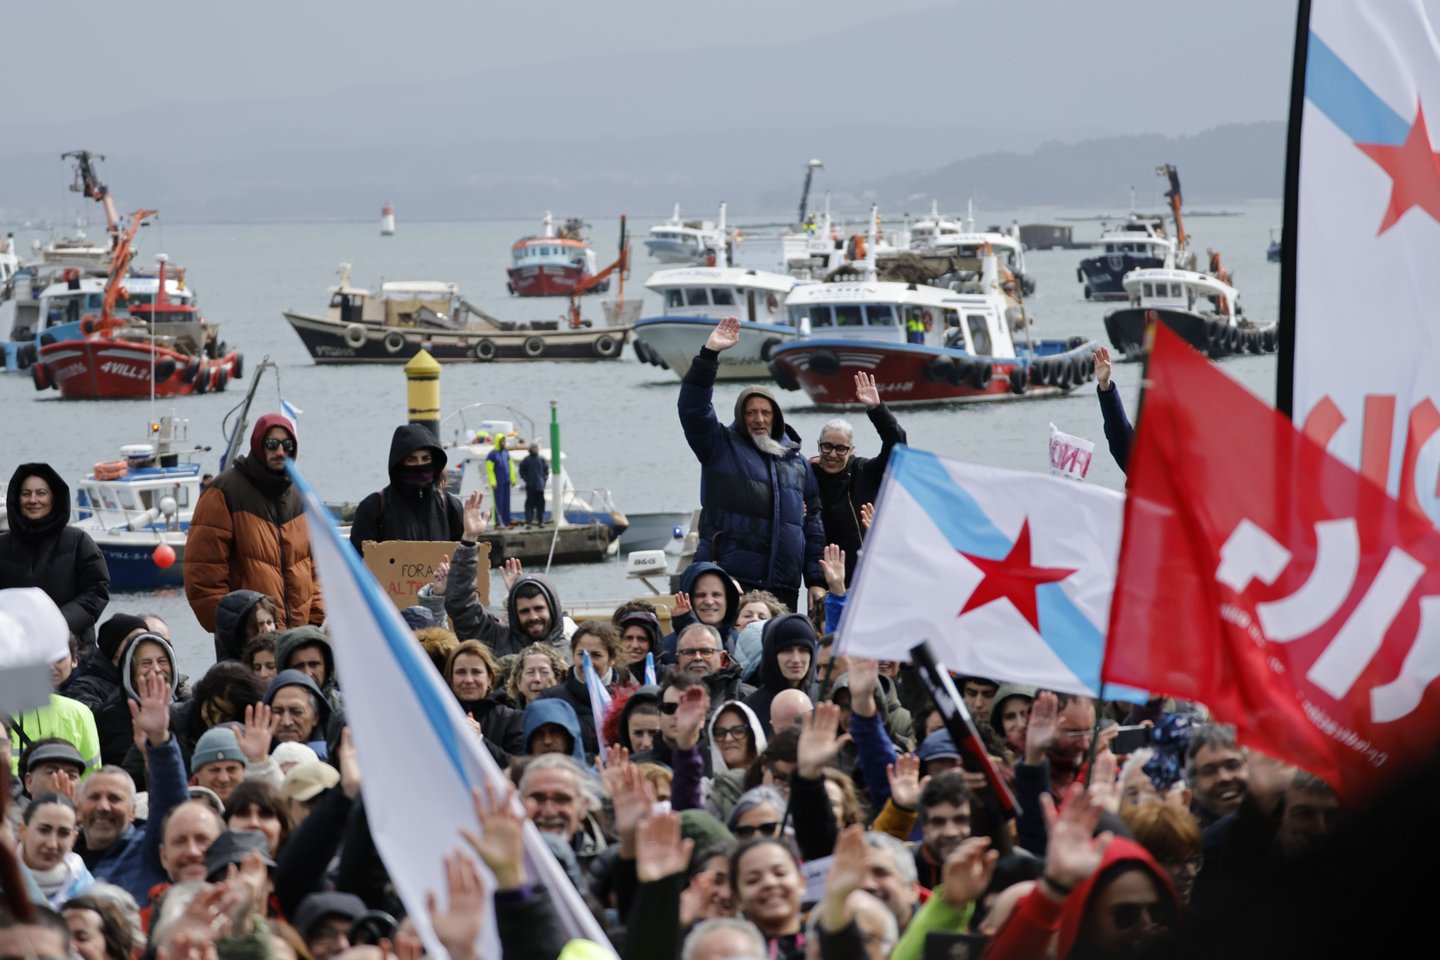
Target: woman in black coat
x=42, y=550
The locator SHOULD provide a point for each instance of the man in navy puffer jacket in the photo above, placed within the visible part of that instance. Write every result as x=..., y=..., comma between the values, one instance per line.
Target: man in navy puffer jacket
x=760, y=516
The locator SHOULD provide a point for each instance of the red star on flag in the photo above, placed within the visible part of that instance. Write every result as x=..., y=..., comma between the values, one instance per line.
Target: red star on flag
x=1013, y=578
x=1414, y=172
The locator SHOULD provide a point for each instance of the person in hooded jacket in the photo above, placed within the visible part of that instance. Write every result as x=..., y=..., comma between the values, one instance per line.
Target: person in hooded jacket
x=639, y=636
x=782, y=666
x=847, y=482
x=249, y=532
x=414, y=506
x=1098, y=897
x=760, y=506
x=299, y=719
x=241, y=616
x=532, y=606
x=143, y=654
x=552, y=726
x=308, y=650
x=98, y=675
x=41, y=549
x=707, y=595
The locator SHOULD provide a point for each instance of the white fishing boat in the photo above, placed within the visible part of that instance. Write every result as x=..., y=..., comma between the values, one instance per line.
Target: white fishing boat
x=684, y=241
x=959, y=240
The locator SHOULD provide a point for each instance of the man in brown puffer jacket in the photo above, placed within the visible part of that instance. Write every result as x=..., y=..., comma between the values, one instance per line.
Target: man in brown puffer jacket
x=249, y=532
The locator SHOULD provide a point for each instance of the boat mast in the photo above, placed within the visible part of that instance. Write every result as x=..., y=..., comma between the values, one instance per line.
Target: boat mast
x=810, y=169
x=722, y=260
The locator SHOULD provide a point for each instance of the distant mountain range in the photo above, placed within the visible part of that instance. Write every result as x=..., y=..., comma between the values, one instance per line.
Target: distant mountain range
x=469, y=180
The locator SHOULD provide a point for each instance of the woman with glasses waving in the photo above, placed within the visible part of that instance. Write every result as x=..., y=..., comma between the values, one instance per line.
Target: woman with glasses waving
x=848, y=482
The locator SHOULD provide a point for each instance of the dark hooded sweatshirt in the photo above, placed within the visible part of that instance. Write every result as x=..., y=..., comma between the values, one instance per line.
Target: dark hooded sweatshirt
x=782, y=633
x=471, y=621
x=541, y=712
x=230, y=617
x=411, y=507
x=54, y=556
x=679, y=623
x=295, y=678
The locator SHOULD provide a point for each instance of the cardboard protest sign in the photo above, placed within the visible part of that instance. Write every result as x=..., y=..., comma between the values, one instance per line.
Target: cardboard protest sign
x=404, y=566
x=1069, y=456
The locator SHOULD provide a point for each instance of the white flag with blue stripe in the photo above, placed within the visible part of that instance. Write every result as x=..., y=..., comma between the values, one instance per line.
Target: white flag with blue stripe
x=650, y=680
x=420, y=758
x=599, y=702
x=1008, y=574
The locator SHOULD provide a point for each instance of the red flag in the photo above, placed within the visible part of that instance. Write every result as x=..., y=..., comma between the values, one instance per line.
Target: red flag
x=1269, y=581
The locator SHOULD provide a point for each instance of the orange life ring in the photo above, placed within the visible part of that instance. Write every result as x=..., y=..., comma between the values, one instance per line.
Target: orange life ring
x=111, y=469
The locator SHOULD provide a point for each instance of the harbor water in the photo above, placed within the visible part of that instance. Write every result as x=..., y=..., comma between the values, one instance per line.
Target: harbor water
x=619, y=427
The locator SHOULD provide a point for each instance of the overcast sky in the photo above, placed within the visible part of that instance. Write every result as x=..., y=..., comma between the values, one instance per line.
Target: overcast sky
x=193, y=99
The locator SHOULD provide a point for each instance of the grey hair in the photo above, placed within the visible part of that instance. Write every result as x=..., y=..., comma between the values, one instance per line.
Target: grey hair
x=1136, y=760
x=903, y=857
x=1213, y=735
x=842, y=425
x=753, y=798
x=113, y=770
x=709, y=631
x=555, y=761
x=743, y=927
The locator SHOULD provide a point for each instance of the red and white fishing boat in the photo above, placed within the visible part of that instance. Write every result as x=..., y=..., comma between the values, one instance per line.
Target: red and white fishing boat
x=553, y=264
x=161, y=348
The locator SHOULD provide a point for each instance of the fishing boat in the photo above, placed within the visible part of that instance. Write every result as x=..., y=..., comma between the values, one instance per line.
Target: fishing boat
x=694, y=299
x=1202, y=307
x=555, y=263
x=684, y=241
x=160, y=348
x=408, y=316
x=922, y=343
x=965, y=245
x=1137, y=243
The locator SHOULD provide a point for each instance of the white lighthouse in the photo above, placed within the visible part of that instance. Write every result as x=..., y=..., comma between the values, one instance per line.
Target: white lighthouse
x=387, y=220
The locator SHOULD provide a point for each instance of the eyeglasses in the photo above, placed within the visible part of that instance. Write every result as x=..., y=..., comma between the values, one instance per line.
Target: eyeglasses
x=769, y=828
x=1193, y=862
x=736, y=732
x=669, y=709
x=1126, y=915
x=839, y=448
x=275, y=443
x=697, y=651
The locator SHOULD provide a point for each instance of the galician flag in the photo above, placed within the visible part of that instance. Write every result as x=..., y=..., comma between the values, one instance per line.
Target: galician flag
x=1008, y=574
x=599, y=701
x=1359, y=350
x=419, y=756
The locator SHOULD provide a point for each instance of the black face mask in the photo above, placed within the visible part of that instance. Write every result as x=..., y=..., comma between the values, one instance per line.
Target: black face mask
x=418, y=476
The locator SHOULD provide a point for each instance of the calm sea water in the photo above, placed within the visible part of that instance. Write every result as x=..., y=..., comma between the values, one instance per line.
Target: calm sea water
x=619, y=428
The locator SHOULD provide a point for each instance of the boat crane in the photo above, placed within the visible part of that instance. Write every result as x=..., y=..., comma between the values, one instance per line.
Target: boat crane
x=87, y=183
x=810, y=169
x=621, y=265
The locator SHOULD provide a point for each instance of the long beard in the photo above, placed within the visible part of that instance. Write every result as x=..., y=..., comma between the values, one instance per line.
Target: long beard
x=767, y=444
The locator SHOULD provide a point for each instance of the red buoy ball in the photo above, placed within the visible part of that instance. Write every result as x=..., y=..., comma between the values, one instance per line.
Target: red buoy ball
x=164, y=556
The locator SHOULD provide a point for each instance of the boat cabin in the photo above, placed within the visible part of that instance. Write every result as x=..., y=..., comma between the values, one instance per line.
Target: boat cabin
x=413, y=303
x=1181, y=290
x=881, y=310
x=542, y=251
x=138, y=492
x=752, y=295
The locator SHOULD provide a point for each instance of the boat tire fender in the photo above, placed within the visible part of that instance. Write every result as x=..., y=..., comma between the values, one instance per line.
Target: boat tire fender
x=533, y=347
x=642, y=352
x=1063, y=374
x=1076, y=342
x=355, y=335
x=1078, y=373
x=25, y=355
x=40, y=374
x=768, y=347
x=237, y=367
x=960, y=371
x=1267, y=340
x=164, y=369
x=783, y=378
x=1019, y=379
x=394, y=341
x=47, y=338
x=222, y=377
x=824, y=363
x=939, y=369
x=982, y=375
x=202, y=378
x=192, y=367
x=606, y=346
x=485, y=350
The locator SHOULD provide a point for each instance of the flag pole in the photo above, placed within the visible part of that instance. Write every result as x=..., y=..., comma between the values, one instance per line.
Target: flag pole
x=1289, y=230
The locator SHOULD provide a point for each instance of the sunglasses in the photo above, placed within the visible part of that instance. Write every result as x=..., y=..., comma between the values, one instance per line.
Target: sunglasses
x=834, y=448
x=1126, y=915
x=669, y=709
x=768, y=829
x=274, y=443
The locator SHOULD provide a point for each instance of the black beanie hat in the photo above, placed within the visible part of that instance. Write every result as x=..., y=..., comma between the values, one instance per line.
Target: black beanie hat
x=114, y=631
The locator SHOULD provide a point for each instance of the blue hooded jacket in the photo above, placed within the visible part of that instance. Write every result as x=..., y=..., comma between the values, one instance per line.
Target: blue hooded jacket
x=554, y=710
x=669, y=645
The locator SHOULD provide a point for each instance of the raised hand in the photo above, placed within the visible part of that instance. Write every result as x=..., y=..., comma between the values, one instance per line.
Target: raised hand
x=725, y=335
x=865, y=390
x=473, y=517
x=260, y=726
x=682, y=605
x=659, y=850
x=1044, y=721
x=151, y=716
x=696, y=900
x=1102, y=367
x=349, y=761
x=867, y=515
x=967, y=871
x=1073, y=852
x=864, y=681
x=501, y=839
x=457, y=927
x=633, y=798
x=441, y=577
x=690, y=716
x=820, y=741
x=832, y=564
x=1104, y=787
x=245, y=885
x=906, y=783
x=847, y=873
x=511, y=572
